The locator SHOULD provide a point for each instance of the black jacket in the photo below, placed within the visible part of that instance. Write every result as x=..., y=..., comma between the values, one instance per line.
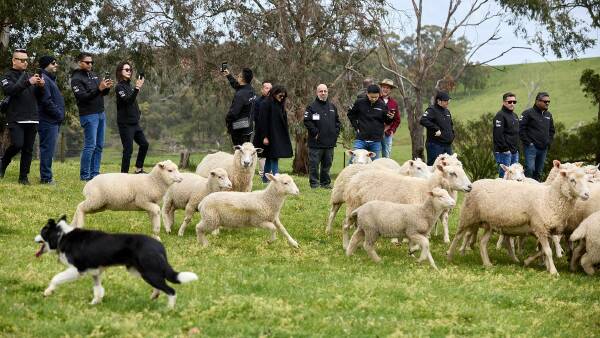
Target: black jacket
x=23, y=96
x=257, y=140
x=437, y=118
x=536, y=127
x=128, y=111
x=51, y=104
x=368, y=118
x=90, y=100
x=241, y=106
x=273, y=125
x=506, y=131
x=323, y=124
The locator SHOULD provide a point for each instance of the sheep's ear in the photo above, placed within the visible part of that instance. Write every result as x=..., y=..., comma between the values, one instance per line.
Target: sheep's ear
x=455, y=155
x=213, y=173
x=349, y=152
x=504, y=167
x=161, y=165
x=259, y=150
x=411, y=162
x=563, y=173
x=578, y=164
x=238, y=147
x=371, y=154
x=556, y=163
x=444, y=163
x=440, y=168
x=270, y=177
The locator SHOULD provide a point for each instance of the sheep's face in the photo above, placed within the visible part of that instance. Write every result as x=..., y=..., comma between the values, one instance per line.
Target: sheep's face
x=283, y=183
x=218, y=177
x=441, y=199
x=445, y=159
x=169, y=172
x=418, y=168
x=513, y=173
x=575, y=183
x=361, y=156
x=455, y=177
x=247, y=154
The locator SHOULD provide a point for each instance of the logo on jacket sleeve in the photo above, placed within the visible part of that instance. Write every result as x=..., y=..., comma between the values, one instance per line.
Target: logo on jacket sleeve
x=75, y=89
x=498, y=123
x=122, y=93
x=4, y=82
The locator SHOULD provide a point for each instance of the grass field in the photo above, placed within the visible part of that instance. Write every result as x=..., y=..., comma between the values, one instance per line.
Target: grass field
x=250, y=288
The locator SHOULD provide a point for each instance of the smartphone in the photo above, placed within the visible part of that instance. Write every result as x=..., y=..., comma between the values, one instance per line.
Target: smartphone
x=106, y=76
x=223, y=66
x=39, y=72
x=140, y=75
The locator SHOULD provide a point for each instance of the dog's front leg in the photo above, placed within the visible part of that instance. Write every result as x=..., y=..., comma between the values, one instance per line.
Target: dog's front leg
x=68, y=275
x=98, y=289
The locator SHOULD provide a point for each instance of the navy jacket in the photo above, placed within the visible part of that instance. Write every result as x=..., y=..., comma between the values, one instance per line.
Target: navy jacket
x=90, y=100
x=437, y=118
x=506, y=131
x=323, y=124
x=128, y=111
x=51, y=105
x=368, y=119
x=23, y=96
x=536, y=127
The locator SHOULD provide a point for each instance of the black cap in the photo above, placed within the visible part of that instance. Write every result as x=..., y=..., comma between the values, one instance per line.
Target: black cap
x=442, y=96
x=46, y=60
x=371, y=89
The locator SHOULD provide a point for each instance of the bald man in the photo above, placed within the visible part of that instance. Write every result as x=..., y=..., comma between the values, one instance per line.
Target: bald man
x=323, y=124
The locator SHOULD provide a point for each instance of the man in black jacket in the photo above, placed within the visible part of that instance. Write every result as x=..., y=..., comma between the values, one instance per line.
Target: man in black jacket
x=536, y=129
x=440, y=130
x=257, y=140
x=506, y=133
x=21, y=113
x=89, y=90
x=323, y=124
x=368, y=116
x=238, y=119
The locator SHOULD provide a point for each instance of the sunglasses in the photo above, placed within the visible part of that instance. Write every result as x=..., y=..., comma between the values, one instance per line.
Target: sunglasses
x=128, y=70
x=546, y=102
x=88, y=62
x=54, y=63
x=512, y=102
x=22, y=60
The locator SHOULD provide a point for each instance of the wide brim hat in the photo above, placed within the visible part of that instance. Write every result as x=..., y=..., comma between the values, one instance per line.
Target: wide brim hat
x=387, y=82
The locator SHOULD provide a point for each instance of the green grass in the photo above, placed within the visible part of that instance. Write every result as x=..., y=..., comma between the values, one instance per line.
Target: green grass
x=250, y=288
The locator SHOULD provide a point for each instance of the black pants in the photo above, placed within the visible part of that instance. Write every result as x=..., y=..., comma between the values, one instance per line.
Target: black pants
x=239, y=139
x=324, y=157
x=22, y=138
x=130, y=133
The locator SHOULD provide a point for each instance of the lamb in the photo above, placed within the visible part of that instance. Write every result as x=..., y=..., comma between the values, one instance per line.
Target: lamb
x=588, y=250
x=415, y=168
x=360, y=156
x=515, y=172
x=399, y=189
x=188, y=194
x=387, y=219
x=240, y=166
x=536, y=209
x=258, y=209
x=118, y=191
x=386, y=163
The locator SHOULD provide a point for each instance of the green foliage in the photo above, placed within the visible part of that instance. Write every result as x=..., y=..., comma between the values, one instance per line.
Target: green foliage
x=475, y=146
x=577, y=144
x=590, y=81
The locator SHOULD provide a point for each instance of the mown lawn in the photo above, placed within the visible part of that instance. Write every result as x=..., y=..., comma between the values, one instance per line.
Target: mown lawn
x=250, y=288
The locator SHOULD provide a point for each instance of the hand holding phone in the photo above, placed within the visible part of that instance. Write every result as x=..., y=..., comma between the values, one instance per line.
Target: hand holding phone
x=223, y=67
x=106, y=76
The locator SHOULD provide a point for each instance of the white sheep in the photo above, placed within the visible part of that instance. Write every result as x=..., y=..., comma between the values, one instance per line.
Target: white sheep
x=384, y=185
x=118, y=191
x=413, y=221
x=386, y=163
x=587, y=253
x=188, y=194
x=240, y=166
x=360, y=156
x=536, y=209
x=258, y=209
x=414, y=168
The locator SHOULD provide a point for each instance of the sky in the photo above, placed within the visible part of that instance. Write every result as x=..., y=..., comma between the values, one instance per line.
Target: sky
x=434, y=12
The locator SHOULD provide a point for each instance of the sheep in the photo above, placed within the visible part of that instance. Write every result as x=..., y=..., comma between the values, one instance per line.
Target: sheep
x=386, y=163
x=413, y=221
x=240, y=166
x=399, y=189
x=118, y=191
x=588, y=250
x=258, y=209
x=188, y=194
x=415, y=168
x=514, y=172
x=360, y=156
x=534, y=208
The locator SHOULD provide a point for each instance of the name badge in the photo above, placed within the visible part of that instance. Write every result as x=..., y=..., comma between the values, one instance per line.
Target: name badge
x=316, y=117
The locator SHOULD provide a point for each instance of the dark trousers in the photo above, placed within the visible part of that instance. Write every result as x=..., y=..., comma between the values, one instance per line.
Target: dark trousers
x=324, y=158
x=130, y=133
x=436, y=149
x=534, y=161
x=22, y=138
x=239, y=139
x=48, y=136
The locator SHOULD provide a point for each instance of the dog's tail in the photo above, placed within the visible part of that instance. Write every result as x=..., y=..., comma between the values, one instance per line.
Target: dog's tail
x=181, y=277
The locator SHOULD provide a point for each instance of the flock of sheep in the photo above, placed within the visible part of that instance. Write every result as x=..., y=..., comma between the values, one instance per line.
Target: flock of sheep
x=383, y=199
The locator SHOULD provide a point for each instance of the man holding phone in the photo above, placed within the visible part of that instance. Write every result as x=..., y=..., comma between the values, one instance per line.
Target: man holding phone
x=89, y=92
x=238, y=119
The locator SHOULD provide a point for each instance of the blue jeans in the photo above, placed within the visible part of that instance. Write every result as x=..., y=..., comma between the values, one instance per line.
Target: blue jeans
x=374, y=146
x=48, y=135
x=93, y=141
x=386, y=146
x=506, y=159
x=436, y=149
x=271, y=166
x=534, y=161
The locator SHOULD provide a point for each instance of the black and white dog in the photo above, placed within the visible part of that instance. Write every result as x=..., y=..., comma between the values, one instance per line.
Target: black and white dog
x=90, y=252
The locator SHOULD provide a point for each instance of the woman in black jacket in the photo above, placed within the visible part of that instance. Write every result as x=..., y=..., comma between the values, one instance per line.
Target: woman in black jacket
x=128, y=118
x=273, y=130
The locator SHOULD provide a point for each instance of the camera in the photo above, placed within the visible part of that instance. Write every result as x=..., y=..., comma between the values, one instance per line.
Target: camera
x=223, y=67
x=106, y=76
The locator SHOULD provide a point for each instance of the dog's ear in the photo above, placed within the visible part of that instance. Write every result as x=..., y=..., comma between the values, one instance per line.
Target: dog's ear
x=51, y=222
x=63, y=217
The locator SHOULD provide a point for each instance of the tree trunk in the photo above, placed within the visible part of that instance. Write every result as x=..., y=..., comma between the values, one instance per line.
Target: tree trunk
x=414, y=114
x=62, y=148
x=300, y=165
x=184, y=159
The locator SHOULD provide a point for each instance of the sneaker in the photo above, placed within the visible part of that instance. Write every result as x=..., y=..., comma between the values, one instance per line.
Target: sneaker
x=50, y=182
x=141, y=171
x=24, y=181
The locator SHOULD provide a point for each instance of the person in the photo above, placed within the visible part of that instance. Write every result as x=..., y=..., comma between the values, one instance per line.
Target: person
x=323, y=124
x=238, y=119
x=128, y=118
x=389, y=129
x=21, y=113
x=367, y=117
x=536, y=129
x=362, y=93
x=506, y=133
x=275, y=134
x=89, y=90
x=440, y=130
x=51, y=110
x=257, y=140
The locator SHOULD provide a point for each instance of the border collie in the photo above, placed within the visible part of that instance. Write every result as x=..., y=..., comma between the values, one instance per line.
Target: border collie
x=90, y=252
